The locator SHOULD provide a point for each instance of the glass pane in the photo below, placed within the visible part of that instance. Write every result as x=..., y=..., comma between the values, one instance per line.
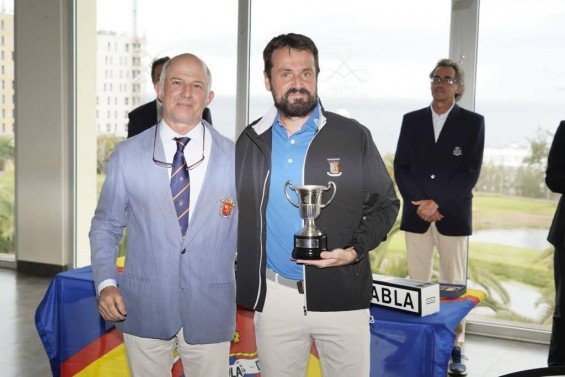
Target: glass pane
x=7, y=122
x=131, y=34
x=375, y=60
x=375, y=56
x=520, y=91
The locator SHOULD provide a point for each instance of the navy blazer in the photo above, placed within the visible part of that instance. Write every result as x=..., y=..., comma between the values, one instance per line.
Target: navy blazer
x=555, y=180
x=445, y=171
x=145, y=116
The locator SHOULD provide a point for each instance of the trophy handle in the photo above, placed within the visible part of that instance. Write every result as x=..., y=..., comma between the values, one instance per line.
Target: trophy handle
x=289, y=183
x=330, y=183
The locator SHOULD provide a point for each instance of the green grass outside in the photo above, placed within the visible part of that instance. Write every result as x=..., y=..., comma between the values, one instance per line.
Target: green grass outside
x=506, y=262
x=503, y=212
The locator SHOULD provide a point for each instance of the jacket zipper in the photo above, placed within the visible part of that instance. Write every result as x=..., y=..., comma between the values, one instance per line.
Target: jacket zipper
x=261, y=237
x=305, y=307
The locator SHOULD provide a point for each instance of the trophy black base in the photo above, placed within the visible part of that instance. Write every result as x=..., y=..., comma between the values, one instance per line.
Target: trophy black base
x=309, y=247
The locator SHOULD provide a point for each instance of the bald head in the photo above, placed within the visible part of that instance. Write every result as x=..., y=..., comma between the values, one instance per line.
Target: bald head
x=185, y=90
x=191, y=59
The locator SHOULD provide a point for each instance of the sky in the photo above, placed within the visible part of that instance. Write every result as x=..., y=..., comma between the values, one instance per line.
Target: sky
x=7, y=6
x=388, y=37
x=368, y=48
x=375, y=49
x=176, y=25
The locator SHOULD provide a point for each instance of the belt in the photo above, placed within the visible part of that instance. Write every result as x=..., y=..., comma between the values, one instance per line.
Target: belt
x=278, y=278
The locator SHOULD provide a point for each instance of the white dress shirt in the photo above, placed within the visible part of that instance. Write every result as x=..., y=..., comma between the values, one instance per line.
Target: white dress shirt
x=439, y=120
x=199, y=136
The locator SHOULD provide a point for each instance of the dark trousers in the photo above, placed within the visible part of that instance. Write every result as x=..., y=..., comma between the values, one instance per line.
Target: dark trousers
x=557, y=344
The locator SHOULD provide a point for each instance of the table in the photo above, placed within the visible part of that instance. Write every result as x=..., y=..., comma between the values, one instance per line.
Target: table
x=403, y=344
x=79, y=342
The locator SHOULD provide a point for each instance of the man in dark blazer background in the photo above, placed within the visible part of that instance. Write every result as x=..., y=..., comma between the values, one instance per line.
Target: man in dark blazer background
x=437, y=164
x=147, y=115
x=555, y=180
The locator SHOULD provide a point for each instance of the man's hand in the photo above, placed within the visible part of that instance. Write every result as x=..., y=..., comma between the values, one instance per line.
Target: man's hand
x=428, y=210
x=111, y=304
x=334, y=258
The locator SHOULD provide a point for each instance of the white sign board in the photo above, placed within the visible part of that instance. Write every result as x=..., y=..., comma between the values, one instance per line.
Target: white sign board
x=413, y=296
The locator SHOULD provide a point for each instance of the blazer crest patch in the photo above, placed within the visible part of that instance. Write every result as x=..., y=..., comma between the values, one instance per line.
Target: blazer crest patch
x=226, y=209
x=457, y=152
x=335, y=167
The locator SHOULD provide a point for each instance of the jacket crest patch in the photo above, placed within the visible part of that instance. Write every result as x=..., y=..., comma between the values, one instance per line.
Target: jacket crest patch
x=457, y=151
x=334, y=167
x=226, y=209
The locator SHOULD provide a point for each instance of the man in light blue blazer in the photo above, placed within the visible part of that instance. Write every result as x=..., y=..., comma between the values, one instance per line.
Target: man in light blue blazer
x=177, y=289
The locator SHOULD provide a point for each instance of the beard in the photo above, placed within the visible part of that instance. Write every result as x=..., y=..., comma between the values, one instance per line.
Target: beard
x=299, y=108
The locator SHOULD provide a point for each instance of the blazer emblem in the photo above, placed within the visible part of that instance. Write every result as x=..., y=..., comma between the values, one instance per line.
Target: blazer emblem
x=334, y=167
x=457, y=151
x=226, y=209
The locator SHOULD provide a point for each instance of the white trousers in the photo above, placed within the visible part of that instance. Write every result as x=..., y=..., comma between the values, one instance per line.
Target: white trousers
x=284, y=337
x=452, y=252
x=154, y=357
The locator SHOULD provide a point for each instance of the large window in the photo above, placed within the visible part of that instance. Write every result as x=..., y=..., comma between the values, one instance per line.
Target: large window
x=134, y=33
x=131, y=34
x=375, y=56
x=375, y=59
x=521, y=92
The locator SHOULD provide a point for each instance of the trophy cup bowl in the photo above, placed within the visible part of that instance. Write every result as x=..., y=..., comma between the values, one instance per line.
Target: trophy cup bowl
x=310, y=241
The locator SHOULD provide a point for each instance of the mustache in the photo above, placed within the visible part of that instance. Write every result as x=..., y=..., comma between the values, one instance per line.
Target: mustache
x=297, y=90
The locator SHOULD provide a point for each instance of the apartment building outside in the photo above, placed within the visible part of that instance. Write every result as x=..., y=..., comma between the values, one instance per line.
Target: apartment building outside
x=121, y=80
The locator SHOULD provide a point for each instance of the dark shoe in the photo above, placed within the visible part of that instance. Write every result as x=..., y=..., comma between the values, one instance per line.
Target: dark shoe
x=456, y=366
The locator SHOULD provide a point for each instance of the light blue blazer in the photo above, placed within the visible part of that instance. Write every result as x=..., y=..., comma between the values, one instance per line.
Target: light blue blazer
x=163, y=287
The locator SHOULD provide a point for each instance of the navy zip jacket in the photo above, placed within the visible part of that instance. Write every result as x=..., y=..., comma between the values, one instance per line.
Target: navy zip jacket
x=363, y=211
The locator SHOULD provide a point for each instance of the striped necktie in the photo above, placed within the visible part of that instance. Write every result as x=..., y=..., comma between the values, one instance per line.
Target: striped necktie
x=180, y=184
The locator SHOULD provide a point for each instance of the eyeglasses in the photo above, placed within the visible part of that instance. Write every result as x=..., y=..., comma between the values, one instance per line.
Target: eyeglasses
x=164, y=164
x=445, y=80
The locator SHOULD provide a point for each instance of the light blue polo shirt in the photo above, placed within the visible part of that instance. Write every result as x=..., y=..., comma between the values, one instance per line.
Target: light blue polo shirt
x=283, y=219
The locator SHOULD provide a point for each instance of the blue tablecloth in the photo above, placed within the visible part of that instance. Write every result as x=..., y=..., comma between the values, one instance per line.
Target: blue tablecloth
x=402, y=344
x=67, y=318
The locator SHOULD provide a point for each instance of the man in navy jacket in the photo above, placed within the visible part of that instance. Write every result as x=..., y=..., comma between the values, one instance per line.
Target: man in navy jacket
x=298, y=302
x=437, y=164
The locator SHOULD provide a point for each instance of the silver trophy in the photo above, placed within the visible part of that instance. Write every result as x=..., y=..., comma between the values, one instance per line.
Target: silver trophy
x=310, y=241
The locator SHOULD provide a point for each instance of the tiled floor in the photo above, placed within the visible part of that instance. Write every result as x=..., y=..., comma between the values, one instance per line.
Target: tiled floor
x=492, y=357
x=22, y=355
x=21, y=352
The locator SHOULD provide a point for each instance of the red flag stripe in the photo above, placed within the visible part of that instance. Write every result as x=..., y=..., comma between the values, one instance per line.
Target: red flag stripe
x=92, y=352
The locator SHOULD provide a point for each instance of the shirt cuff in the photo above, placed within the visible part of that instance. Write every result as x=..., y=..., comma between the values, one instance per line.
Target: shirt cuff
x=104, y=284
